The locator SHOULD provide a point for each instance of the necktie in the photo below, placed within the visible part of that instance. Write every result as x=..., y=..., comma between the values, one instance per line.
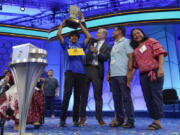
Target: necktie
x=95, y=56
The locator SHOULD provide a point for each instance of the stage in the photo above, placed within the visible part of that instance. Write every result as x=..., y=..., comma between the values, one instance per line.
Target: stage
x=171, y=126
x=38, y=22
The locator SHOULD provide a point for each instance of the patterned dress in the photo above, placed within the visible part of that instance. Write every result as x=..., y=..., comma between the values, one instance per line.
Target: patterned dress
x=9, y=101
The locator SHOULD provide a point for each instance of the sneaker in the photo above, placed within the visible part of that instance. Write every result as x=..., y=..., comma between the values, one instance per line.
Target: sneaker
x=82, y=122
x=128, y=125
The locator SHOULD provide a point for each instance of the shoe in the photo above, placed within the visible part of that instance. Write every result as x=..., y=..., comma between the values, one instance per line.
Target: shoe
x=112, y=122
x=52, y=116
x=16, y=127
x=76, y=123
x=128, y=126
x=62, y=123
x=101, y=123
x=154, y=126
x=116, y=124
x=82, y=122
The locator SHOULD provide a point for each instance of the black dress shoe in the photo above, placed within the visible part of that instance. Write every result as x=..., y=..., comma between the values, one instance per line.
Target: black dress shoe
x=62, y=123
x=76, y=123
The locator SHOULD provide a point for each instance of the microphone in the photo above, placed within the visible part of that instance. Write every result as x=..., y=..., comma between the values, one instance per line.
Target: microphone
x=92, y=41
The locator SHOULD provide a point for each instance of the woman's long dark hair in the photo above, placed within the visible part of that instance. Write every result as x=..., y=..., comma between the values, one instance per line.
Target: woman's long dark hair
x=135, y=44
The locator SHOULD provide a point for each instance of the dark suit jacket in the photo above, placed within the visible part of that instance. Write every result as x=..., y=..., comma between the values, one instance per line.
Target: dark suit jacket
x=104, y=55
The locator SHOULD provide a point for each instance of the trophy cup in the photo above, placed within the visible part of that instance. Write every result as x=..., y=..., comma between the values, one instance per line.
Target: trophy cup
x=72, y=21
x=27, y=64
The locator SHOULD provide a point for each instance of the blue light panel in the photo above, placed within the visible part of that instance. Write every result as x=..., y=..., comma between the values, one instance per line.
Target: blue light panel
x=23, y=32
x=126, y=19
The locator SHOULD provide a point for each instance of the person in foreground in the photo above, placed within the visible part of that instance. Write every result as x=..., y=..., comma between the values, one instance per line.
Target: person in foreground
x=98, y=53
x=9, y=106
x=74, y=70
x=121, y=63
x=149, y=59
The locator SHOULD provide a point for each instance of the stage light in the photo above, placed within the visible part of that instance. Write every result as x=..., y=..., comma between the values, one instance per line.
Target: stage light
x=22, y=8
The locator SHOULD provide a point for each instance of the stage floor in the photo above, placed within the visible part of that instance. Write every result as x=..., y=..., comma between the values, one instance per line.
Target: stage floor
x=170, y=127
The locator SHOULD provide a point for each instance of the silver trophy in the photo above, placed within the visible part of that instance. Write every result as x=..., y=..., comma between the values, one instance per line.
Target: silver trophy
x=27, y=64
x=72, y=21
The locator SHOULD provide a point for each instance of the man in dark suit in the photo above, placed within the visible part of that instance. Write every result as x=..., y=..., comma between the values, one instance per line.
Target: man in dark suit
x=98, y=53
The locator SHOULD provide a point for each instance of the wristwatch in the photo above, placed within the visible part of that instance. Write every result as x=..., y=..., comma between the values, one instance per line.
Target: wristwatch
x=129, y=70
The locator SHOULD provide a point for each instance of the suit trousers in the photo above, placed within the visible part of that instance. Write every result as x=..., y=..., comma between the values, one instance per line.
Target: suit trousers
x=92, y=75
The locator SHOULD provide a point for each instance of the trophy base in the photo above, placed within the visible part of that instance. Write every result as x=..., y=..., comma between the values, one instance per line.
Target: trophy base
x=72, y=23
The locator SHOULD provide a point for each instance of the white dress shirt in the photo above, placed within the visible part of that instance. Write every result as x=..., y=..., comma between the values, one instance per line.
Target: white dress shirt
x=98, y=46
x=100, y=43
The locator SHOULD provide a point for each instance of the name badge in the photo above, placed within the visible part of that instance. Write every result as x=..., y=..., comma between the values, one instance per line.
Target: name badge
x=112, y=61
x=76, y=52
x=143, y=48
x=115, y=49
